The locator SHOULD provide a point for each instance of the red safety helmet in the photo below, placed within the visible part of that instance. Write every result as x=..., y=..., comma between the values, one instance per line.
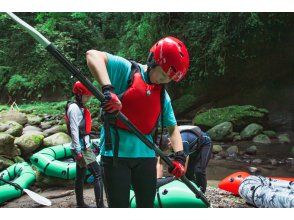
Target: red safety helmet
x=172, y=56
x=80, y=89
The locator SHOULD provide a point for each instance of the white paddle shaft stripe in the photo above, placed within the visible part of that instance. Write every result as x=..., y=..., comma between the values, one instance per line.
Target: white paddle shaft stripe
x=32, y=31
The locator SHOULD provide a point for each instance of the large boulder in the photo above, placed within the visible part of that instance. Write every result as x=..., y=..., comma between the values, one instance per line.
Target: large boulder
x=233, y=150
x=221, y=131
x=284, y=138
x=270, y=134
x=11, y=127
x=7, y=147
x=44, y=181
x=183, y=103
x=250, y=131
x=216, y=148
x=34, y=120
x=4, y=163
x=252, y=150
x=47, y=124
x=240, y=116
x=55, y=129
x=32, y=130
x=28, y=143
x=56, y=139
x=262, y=139
x=12, y=115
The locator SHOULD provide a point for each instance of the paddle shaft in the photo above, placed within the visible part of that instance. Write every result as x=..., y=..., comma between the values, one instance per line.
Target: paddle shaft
x=86, y=82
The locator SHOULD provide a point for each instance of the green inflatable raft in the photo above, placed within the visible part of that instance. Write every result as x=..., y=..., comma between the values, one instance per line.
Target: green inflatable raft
x=48, y=161
x=19, y=173
x=172, y=193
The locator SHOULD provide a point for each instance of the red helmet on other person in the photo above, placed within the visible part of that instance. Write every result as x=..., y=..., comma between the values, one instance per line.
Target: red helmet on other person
x=80, y=89
x=172, y=56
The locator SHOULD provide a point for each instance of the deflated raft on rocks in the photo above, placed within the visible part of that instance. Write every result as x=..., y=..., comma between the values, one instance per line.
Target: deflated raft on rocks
x=19, y=173
x=48, y=161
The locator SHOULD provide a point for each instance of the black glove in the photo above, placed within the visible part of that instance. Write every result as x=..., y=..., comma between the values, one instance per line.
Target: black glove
x=111, y=102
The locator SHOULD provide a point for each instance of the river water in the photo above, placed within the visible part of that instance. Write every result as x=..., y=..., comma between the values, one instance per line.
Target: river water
x=282, y=166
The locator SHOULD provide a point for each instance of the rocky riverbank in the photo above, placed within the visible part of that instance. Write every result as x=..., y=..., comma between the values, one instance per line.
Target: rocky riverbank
x=65, y=198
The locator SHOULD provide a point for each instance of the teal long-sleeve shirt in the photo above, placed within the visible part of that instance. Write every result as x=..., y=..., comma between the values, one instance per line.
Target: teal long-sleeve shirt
x=130, y=146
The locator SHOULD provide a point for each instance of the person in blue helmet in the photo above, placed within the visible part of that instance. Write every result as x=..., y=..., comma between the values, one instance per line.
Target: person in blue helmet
x=198, y=145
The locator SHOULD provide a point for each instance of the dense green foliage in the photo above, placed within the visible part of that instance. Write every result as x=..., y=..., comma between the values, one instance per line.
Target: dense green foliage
x=225, y=48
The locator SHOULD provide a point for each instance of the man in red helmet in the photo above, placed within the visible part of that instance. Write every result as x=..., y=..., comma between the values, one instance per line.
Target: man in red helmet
x=138, y=92
x=79, y=122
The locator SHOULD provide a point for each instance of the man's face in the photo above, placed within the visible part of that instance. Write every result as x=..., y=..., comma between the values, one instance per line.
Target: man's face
x=158, y=76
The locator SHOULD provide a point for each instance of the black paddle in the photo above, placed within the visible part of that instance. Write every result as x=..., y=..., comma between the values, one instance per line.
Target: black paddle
x=86, y=82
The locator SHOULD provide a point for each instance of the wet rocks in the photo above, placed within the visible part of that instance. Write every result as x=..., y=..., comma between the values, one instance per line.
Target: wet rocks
x=56, y=139
x=55, y=129
x=216, y=148
x=28, y=143
x=219, y=132
x=284, y=138
x=4, y=163
x=261, y=139
x=250, y=131
x=7, y=147
x=34, y=119
x=12, y=115
x=252, y=150
x=11, y=127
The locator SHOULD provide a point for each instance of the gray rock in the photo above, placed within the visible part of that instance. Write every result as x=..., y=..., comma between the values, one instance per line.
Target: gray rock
x=13, y=128
x=251, y=150
x=55, y=129
x=284, y=138
x=16, y=116
x=216, y=148
x=31, y=128
x=7, y=147
x=232, y=149
x=237, y=138
x=4, y=163
x=250, y=131
x=34, y=120
x=257, y=161
x=28, y=143
x=270, y=134
x=56, y=139
x=220, y=131
x=47, y=124
x=261, y=139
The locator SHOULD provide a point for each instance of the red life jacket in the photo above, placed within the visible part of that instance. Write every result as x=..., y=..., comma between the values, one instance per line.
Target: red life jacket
x=86, y=124
x=141, y=102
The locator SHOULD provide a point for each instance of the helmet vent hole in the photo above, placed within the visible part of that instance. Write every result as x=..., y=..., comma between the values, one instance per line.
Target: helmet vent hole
x=182, y=55
x=180, y=44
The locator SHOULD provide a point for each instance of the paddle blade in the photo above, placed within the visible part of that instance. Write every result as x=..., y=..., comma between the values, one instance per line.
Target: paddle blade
x=38, y=198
